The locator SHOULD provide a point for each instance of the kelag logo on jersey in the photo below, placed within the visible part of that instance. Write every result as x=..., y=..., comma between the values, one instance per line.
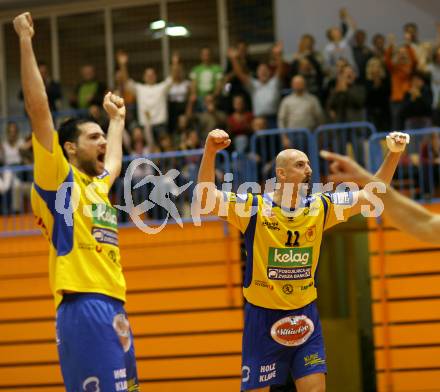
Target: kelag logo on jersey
x=290, y=263
x=290, y=257
x=104, y=216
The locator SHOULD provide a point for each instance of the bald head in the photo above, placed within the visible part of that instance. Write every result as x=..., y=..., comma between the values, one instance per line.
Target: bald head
x=288, y=155
x=292, y=166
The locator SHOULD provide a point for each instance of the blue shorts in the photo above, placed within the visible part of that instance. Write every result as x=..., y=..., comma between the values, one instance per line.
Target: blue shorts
x=95, y=344
x=276, y=342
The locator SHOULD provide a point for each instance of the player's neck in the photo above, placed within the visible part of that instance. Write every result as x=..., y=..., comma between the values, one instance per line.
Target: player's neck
x=287, y=200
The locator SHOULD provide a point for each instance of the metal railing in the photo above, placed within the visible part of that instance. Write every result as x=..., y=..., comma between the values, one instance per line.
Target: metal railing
x=418, y=174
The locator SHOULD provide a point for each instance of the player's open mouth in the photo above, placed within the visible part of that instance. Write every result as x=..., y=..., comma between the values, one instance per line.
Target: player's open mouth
x=101, y=157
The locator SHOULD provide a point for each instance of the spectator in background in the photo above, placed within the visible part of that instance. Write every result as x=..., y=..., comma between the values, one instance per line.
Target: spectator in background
x=240, y=121
x=401, y=64
x=89, y=91
x=347, y=100
x=339, y=44
x=53, y=89
x=300, y=109
x=259, y=124
x=265, y=89
x=361, y=53
x=233, y=85
x=434, y=70
x=378, y=92
x=273, y=63
x=308, y=63
x=240, y=124
x=411, y=36
x=206, y=78
x=417, y=104
x=378, y=49
x=11, y=146
x=151, y=96
x=127, y=94
x=212, y=118
x=96, y=115
x=178, y=95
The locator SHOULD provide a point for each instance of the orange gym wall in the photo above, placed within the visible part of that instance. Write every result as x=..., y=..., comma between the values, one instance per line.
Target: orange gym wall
x=406, y=309
x=184, y=305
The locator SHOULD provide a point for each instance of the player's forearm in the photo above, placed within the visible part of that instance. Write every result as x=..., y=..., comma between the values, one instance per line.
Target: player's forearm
x=34, y=91
x=207, y=168
x=388, y=167
x=114, y=146
x=409, y=216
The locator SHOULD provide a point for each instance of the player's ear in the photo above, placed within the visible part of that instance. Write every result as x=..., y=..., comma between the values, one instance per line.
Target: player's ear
x=280, y=173
x=70, y=148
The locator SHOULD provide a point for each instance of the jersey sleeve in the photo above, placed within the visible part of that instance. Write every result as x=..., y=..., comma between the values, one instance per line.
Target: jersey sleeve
x=334, y=205
x=239, y=209
x=50, y=168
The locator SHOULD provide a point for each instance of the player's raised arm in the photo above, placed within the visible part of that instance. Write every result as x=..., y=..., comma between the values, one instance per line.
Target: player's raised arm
x=405, y=214
x=115, y=108
x=216, y=141
x=396, y=142
x=34, y=91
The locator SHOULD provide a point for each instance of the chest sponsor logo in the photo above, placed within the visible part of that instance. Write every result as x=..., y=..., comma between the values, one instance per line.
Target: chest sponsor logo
x=105, y=216
x=290, y=263
x=105, y=236
x=292, y=330
x=262, y=283
x=290, y=257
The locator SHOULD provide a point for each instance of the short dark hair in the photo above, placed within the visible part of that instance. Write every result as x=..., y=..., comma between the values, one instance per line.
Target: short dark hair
x=69, y=131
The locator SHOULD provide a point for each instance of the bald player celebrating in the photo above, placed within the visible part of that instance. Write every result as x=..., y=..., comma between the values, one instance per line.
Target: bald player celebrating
x=73, y=171
x=283, y=232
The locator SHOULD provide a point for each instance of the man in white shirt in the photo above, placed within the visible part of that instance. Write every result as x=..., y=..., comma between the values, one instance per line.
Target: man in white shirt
x=151, y=96
x=300, y=109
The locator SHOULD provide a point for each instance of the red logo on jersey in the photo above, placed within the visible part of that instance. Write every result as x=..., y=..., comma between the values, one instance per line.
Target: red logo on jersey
x=292, y=331
x=311, y=233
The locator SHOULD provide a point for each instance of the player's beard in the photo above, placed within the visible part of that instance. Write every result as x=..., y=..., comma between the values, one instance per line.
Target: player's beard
x=308, y=181
x=89, y=167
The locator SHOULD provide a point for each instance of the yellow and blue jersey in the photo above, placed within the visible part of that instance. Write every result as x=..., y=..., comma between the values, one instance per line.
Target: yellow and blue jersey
x=75, y=215
x=282, y=246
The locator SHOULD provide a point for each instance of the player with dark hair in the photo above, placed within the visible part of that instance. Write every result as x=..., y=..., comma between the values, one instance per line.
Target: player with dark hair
x=73, y=172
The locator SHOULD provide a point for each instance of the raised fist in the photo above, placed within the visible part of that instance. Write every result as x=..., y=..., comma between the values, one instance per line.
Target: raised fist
x=397, y=141
x=114, y=106
x=217, y=140
x=23, y=25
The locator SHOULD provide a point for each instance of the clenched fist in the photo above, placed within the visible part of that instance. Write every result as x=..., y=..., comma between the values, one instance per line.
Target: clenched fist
x=24, y=26
x=114, y=106
x=397, y=141
x=217, y=140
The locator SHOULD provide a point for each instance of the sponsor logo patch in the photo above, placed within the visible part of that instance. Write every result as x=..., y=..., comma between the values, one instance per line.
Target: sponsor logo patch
x=268, y=372
x=105, y=236
x=292, y=330
x=289, y=273
x=105, y=216
x=262, y=283
x=313, y=359
x=122, y=328
x=287, y=289
x=341, y=198
x=290, y=257
x=311, y=233
x=271, y=225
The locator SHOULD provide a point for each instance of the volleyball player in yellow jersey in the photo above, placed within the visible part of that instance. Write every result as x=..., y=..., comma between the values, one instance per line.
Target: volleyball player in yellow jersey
x=73, y=172
x=282, y=331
